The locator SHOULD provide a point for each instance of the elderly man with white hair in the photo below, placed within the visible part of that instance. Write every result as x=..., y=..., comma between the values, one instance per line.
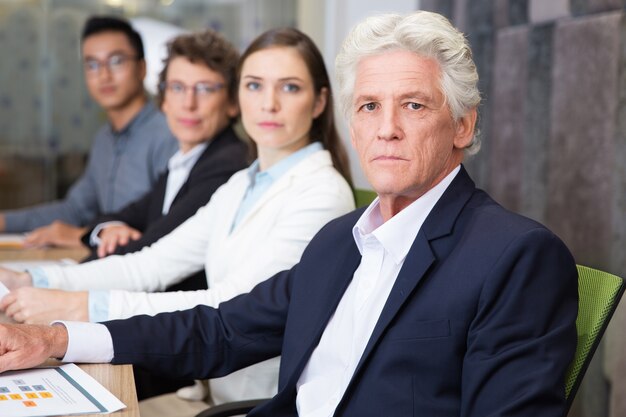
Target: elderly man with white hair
x=432, y=301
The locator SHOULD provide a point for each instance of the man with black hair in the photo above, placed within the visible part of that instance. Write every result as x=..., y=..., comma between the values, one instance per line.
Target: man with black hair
x=128, y=152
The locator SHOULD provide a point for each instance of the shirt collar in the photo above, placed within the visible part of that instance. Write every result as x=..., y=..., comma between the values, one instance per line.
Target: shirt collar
x=278, y=169
x=148, y=109
x=398, y=233
x=187, y=159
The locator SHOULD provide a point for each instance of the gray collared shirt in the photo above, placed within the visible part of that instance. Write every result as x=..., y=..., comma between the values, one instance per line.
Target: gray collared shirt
x=122, y=167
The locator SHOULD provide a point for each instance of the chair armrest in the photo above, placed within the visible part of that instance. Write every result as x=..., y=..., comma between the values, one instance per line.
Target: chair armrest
x=234, y=408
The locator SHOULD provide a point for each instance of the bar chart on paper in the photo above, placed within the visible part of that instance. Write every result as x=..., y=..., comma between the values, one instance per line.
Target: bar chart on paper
x=53, y=391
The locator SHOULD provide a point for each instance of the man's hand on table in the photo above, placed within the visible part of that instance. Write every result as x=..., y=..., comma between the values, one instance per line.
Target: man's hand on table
x=24, y=346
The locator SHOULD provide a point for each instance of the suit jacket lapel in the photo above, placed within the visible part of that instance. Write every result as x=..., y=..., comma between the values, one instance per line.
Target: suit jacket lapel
x=197, y=167
x=325, y=307
x=439, y=223
x=153, y=209
x=221, y=140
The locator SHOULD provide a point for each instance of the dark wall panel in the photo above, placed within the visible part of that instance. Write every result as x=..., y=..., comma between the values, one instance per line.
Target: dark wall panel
x=510, y=76
x=584, y=85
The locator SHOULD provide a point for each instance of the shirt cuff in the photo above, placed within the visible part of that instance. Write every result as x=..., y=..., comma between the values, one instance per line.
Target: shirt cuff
x=87, y=342
x=39, y=277
x=94, y=240
x=98, y=305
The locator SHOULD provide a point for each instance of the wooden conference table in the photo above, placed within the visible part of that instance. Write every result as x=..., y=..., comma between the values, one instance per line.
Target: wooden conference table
x=118, y=379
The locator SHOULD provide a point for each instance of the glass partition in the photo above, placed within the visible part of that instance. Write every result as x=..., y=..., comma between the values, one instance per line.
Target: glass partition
x=47, y=118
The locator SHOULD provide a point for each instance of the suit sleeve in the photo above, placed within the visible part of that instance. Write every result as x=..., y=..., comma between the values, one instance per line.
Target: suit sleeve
x=204, y=342
x=197, y=195
x=523, y=337
x=210, y=172
x=135, y=214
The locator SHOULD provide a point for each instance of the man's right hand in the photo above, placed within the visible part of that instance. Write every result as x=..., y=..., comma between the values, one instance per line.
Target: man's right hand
x=3, y=223
x=116, y=235
x=14, y=280
x=24, y=346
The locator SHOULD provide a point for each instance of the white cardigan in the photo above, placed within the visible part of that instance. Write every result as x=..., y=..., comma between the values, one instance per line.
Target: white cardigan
x=270, y=238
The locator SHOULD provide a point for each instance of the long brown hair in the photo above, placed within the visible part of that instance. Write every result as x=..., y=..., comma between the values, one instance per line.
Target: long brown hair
x=323, y=129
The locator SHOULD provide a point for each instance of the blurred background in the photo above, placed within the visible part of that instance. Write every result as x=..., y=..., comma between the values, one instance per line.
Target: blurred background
x=553, y=118
x=47, y=118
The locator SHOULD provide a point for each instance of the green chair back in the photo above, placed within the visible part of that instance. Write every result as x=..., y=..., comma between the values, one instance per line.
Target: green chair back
x=598, y=295
x=363, y=197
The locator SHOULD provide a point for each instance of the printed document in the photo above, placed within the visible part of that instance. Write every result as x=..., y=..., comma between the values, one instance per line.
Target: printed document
x=54, y=391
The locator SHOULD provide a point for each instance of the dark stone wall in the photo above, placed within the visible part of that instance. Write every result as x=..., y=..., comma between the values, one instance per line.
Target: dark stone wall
x=553, y=141
x=584, y=99
x=509, y=106
x=536, y=128
x=553, y=120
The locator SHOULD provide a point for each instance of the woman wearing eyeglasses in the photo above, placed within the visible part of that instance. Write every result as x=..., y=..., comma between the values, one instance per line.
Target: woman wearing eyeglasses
x=255, y=225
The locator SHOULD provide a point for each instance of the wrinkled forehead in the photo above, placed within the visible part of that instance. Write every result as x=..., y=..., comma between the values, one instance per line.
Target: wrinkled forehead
x=397, y=72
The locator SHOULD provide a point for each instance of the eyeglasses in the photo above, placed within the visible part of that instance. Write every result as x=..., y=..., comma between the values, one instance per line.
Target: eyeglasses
x=200, y=90
x=114, y=63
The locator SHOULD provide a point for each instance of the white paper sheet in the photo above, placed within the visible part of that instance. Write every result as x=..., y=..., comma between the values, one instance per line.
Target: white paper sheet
x=11, y=241
x=54, y=391
x=3, y=290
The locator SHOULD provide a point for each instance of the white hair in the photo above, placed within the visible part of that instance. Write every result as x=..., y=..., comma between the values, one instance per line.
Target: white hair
x=424, y=33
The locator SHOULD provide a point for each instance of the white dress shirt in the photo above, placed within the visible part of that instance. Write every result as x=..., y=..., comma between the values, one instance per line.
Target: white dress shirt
x=383, y=247
x=179, y=167
x=87, y=342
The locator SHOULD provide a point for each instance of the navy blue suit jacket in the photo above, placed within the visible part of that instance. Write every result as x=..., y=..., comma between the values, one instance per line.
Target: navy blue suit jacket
x=480, y=321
